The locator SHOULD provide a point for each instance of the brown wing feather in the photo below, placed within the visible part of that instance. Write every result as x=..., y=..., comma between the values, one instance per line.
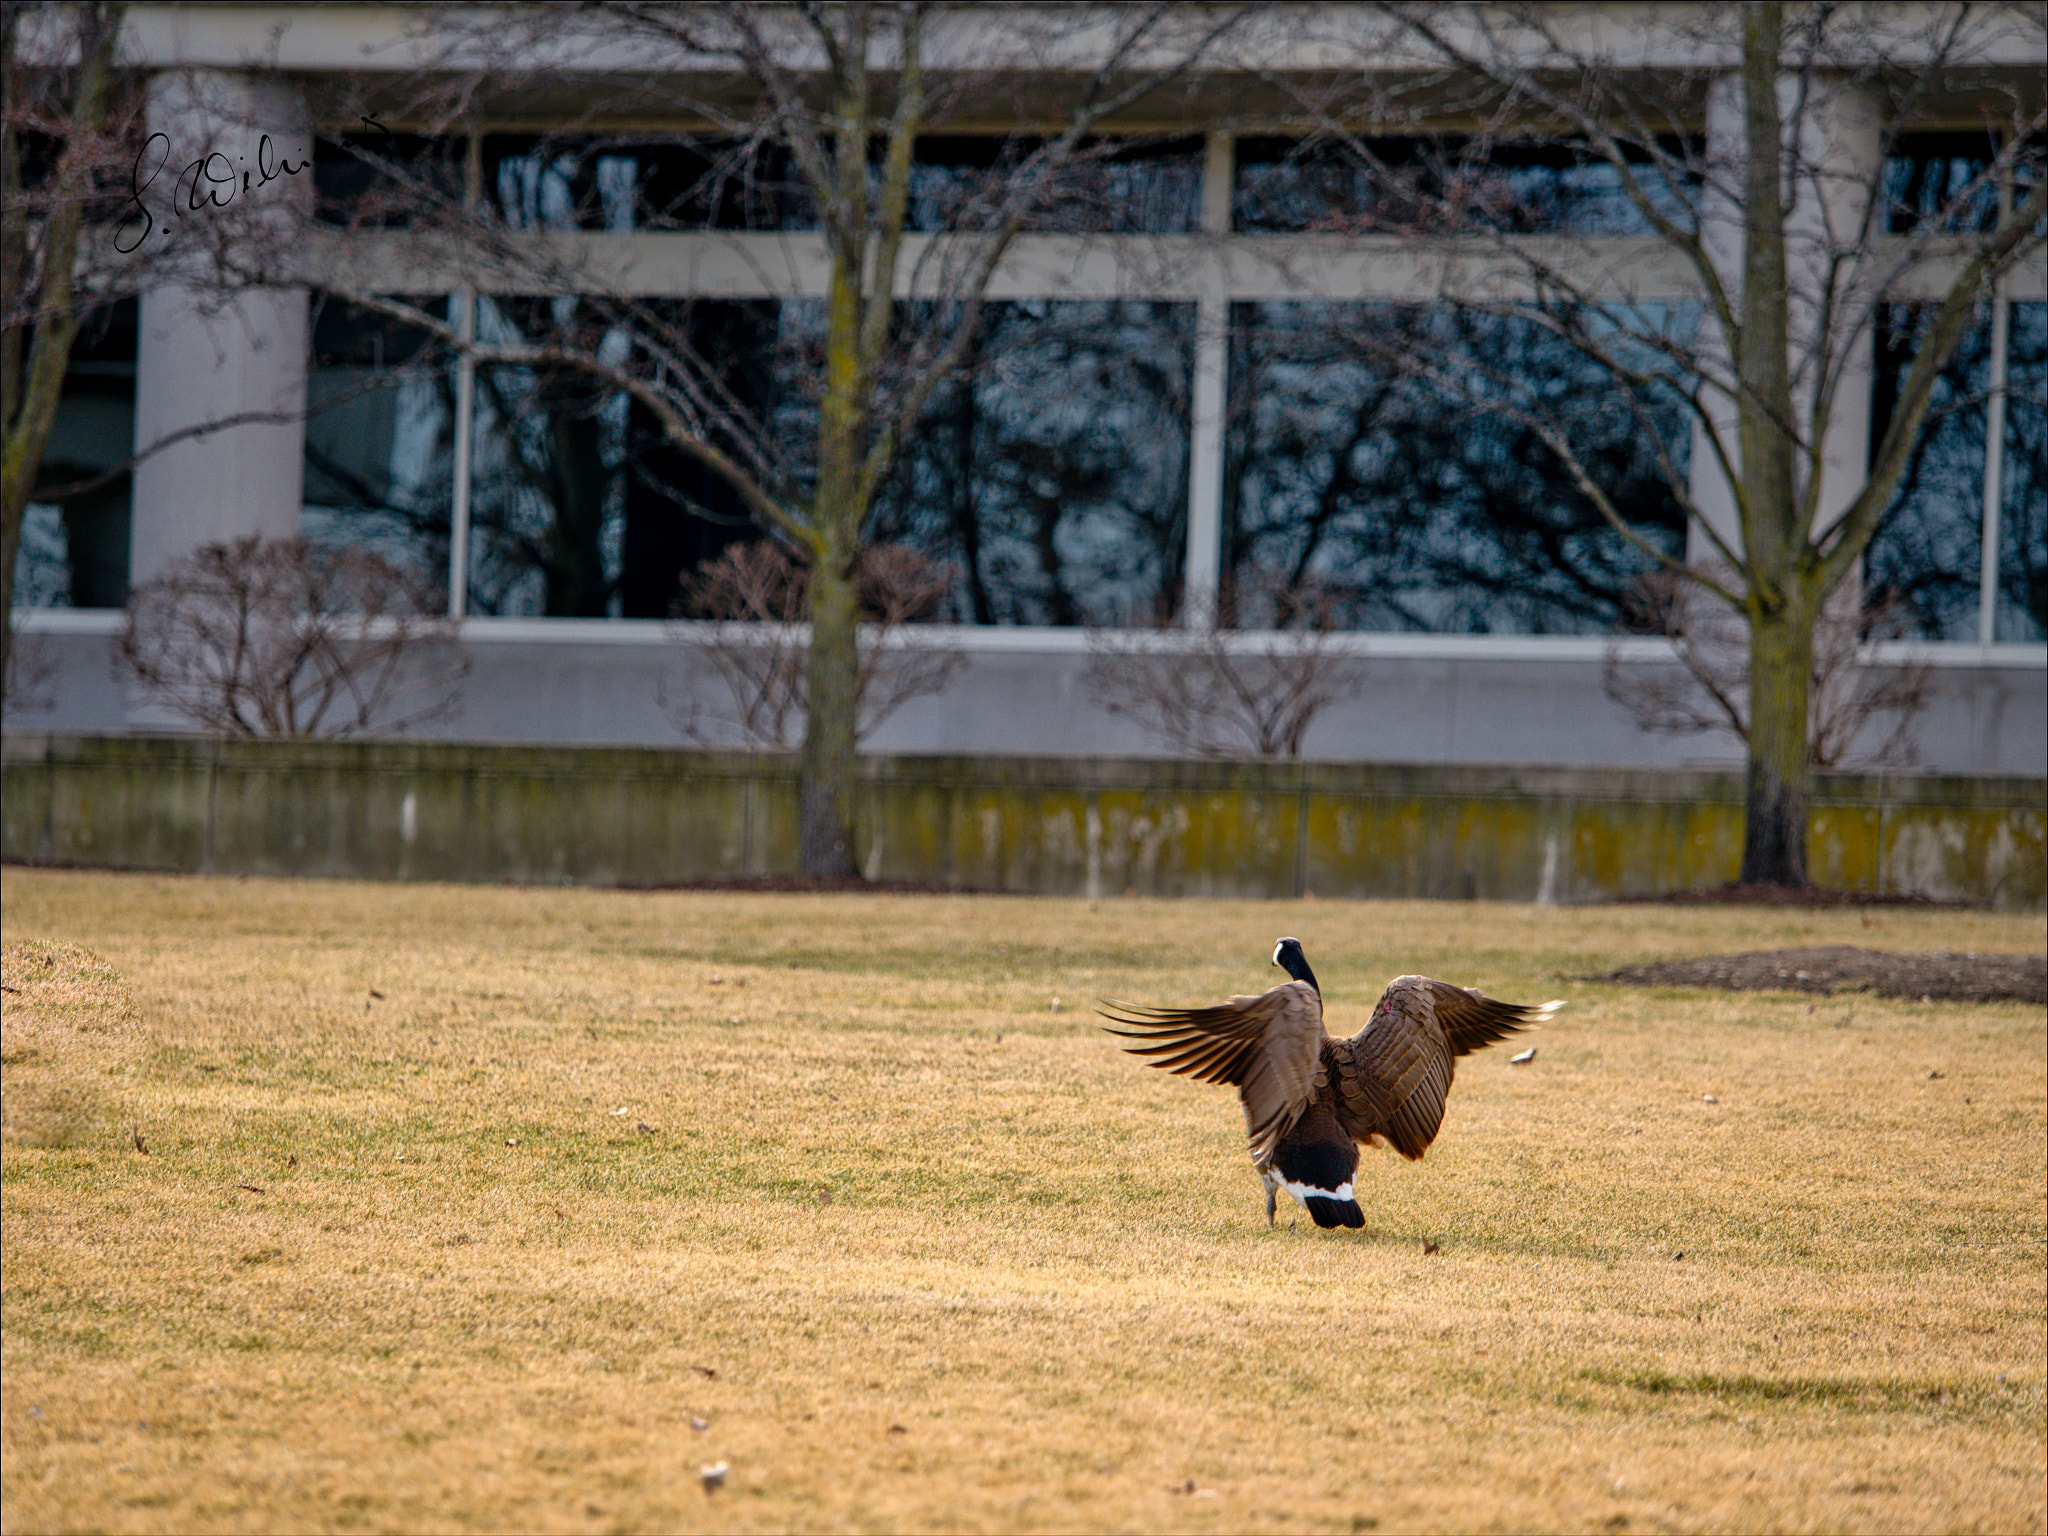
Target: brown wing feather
x=1405, y=1057
x=1403, y=1054
x=1472, y=1021
x=1265, y=1046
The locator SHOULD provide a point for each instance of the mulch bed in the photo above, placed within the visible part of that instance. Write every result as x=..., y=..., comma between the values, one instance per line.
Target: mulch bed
x=1844, y=968
x=1766, y=893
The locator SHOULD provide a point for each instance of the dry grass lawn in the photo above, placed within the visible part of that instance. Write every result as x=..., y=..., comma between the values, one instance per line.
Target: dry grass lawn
x=489, y=1209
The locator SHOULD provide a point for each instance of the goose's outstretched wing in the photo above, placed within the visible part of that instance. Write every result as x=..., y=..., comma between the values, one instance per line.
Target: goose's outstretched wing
x=1472, y=1021
x=1267, y=1047
x=1395, y=1074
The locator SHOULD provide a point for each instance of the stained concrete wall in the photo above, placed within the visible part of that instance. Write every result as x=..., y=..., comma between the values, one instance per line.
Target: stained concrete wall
x=1465, y=699
x=1094, y=826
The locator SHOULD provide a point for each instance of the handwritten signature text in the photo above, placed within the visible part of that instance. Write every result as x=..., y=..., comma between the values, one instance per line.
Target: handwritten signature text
x=211, y=181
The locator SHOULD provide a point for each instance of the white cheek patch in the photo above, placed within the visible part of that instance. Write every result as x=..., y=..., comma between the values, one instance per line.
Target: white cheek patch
x=1302, y=1192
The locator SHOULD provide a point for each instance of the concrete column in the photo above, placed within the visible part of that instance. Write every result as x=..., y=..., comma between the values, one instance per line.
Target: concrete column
x=211, y=346
x=1834, y=146
x=1721, y=235
x=1840, y=141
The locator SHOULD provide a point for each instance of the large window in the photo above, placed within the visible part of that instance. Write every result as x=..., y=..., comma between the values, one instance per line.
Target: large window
x=1052, y=472
x=1929, y=555
x=1412, y=498
x=1387, y=454
x=380, y=436
x=578, y=506
x=75, y=533
x=2022, y=584
x=1049, y=473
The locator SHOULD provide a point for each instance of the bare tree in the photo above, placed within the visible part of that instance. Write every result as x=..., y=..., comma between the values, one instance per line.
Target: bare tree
x=62, y=130
x=1215, y=690
x=281, y=637
x=830, y=101
x=1782, y=225
x=1709, y=693
x=755, y=597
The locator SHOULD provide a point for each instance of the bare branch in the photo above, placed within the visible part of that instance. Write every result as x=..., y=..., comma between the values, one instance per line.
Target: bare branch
x=1708, y=692
x=749, y=608
x=286, y=638
x=1213, y=691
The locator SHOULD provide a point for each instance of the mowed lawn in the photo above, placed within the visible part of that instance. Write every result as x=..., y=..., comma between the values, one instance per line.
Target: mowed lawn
x=463, y=1208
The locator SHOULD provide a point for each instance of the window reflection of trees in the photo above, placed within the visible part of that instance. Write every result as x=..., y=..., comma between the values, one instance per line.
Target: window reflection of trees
x=1928, y=552
x=2023, y=512
x=1134, y=185
x=374, y=180
x=1123, y=186
x=380, y=430
x=579, y=506
x=1052, y=472
x=1939, y=176
x=1447, y=181
x=546, y=514
x=622, y=182
x=74, y=550
x=1419, y=508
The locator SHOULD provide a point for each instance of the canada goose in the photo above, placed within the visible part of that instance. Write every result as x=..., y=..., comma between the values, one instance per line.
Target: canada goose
x=1310, y=1100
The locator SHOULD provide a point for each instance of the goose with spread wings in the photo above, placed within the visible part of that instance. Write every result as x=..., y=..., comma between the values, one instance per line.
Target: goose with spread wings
x=1311, y=1100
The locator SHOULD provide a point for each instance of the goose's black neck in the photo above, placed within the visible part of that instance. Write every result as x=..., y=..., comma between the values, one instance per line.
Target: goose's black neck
x=1288, y=956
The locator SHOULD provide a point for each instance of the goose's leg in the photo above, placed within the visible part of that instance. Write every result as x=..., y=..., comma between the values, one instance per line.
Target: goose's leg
x=1272, y=1194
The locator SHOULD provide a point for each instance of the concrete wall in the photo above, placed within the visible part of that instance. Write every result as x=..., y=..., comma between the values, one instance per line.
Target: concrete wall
x=1465, y=699
x=1093, y=826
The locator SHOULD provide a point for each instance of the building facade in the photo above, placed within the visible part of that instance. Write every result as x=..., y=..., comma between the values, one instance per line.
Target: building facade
x=1289, y=340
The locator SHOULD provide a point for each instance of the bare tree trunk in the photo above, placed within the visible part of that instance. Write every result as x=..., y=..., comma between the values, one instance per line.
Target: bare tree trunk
x=1780, y=677
x=1772, y=511
x=855, y=332
x=828, y=761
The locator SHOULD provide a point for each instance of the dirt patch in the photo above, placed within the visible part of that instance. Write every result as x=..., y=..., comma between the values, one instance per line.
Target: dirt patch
x=1844, y=968
x=1766, y=893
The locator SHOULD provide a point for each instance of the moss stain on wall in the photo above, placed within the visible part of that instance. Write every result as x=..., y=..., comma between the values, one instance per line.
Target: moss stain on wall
x=414, y=811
